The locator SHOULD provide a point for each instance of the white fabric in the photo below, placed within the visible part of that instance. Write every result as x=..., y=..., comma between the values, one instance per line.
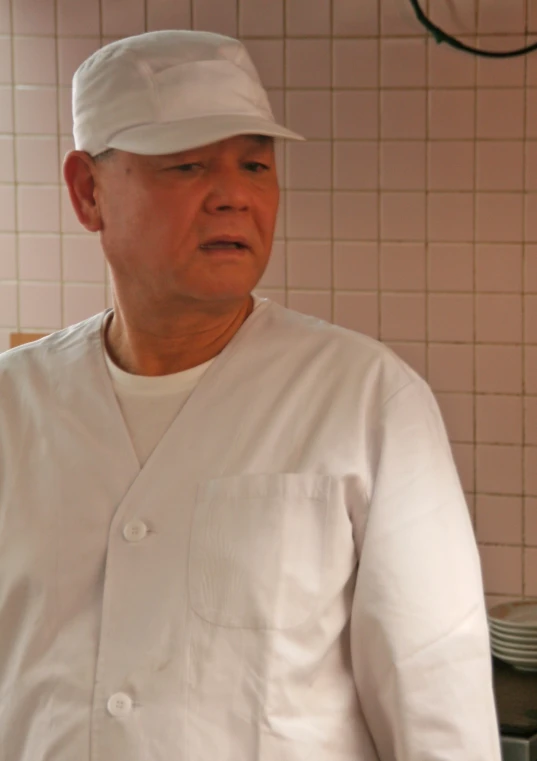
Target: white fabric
x=150, y=403
x=169, y=91
x=291, y=576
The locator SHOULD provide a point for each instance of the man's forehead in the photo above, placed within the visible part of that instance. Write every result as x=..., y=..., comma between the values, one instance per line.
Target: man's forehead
x=243, y=141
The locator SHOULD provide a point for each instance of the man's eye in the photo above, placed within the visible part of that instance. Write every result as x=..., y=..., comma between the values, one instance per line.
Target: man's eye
x=256, y=166
x=185, y=167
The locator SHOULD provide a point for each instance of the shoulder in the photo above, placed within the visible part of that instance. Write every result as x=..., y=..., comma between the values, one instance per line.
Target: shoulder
x=346, y=354
x=43, y=360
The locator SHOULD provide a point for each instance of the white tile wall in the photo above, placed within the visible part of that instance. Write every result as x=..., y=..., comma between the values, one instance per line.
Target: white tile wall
x=7, y=208
x=306, y=18
x=39, y=256
x=308, y=63
x=33, y=17
x=268, y=57
x=355, y=62
x=410, y=214
x=34, y=60
x=355, y=19
x=7, y=159
x=82, y=259
x=355, y=215
x=6, y=110
x=6, y=66
x=219, y=17
x=261, y=18
x=38, y=208
x=355, y=164
x=8, y=257
x=37, y=159
x=71, y=52
x=163, y=14
x=122, y=17
x=36, y=110
x=5, y=16
x=76, y=18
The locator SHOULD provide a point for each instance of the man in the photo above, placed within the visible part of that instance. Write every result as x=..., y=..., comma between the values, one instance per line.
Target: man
x=227, y=530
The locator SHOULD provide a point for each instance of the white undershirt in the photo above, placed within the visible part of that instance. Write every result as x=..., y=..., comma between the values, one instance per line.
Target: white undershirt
x=150, y=403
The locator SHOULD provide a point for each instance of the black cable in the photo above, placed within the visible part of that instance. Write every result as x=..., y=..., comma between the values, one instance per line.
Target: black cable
x=441, y=36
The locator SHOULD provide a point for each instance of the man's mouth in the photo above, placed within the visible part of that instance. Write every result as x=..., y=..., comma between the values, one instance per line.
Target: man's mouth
x=226, y=243
x=223, y=245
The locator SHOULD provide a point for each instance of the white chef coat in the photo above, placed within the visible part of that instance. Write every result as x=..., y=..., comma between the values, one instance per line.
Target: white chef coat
x=291, y=575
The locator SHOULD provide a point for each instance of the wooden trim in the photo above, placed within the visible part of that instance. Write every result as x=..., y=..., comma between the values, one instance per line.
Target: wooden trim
x=17, y=339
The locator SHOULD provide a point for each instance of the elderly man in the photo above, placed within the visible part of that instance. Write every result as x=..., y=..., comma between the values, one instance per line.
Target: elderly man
x=227, y=530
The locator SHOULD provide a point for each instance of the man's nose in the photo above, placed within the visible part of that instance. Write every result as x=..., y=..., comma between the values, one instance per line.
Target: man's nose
x=228, y=190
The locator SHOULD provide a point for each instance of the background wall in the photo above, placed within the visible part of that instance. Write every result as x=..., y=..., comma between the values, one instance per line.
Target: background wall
x=410, y=215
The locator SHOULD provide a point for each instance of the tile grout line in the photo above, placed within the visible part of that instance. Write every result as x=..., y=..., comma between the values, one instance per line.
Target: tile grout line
x=108, y=301
x=395, y=37
x=380, y=121
x=332, y=170
x=60, y=173
x=353, y=140
x=427, y=43
x=523, y=314
x=285, y=190
x=14, y=164
x=475, y=519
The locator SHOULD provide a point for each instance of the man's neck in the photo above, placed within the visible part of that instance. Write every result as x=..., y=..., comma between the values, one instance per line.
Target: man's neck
x=162, y=351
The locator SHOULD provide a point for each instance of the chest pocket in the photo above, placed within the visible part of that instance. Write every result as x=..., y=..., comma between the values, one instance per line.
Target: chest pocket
x=257, y=549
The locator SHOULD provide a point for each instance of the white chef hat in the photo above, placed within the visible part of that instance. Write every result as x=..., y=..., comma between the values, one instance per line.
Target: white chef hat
x=169, y=91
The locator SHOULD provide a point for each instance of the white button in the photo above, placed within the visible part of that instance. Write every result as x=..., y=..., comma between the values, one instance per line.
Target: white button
x=134, y=531
x=119, y=704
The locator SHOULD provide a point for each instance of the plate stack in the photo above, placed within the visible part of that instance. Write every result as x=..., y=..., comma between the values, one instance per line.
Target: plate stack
x=513, y=633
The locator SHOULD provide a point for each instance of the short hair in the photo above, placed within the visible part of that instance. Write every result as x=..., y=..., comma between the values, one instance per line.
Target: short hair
x=104, y=155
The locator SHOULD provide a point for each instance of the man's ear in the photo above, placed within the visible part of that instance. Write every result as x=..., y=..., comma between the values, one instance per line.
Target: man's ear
x=79, y=175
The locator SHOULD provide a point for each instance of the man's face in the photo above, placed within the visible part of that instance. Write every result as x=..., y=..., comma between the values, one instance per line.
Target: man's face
x=159, y=213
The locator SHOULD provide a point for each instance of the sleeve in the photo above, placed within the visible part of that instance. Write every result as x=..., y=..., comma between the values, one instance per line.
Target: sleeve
x=419, y=633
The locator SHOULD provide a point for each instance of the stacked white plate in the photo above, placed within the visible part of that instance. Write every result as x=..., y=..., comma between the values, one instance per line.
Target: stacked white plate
x=513, y=633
